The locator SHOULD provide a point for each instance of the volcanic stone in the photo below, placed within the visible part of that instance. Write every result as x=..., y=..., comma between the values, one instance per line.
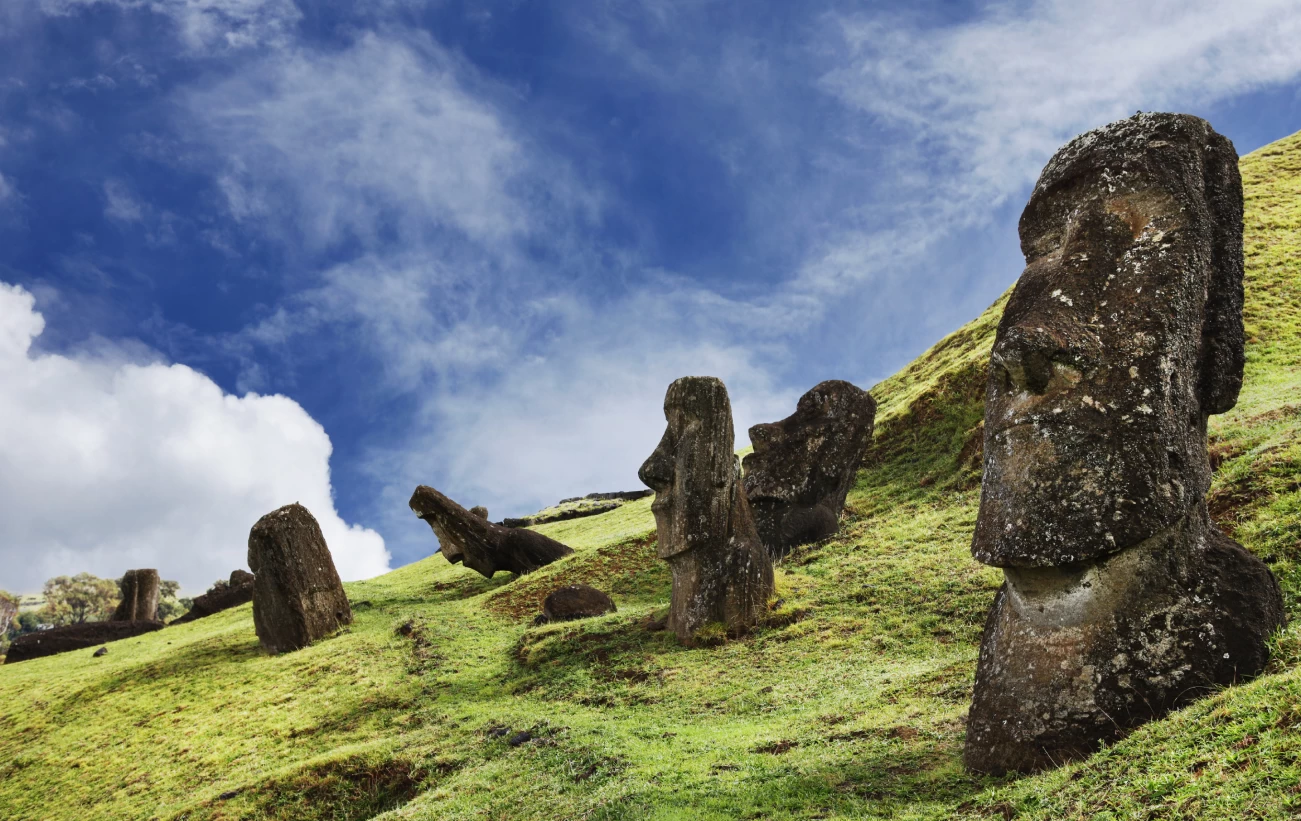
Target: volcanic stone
x=139, y=596
x=297, y=595
x=802, y=467
x=478, y=543
x=221, y=597
x=75, y=637
x=1121, y=600
x=480, y=511
x=577, y=601
x=721, y=572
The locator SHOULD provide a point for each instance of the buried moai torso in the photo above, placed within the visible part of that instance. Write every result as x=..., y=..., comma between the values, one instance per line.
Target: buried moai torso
x=468, y=538
x=721, y=571
x=802, y=467
x=1121, y=600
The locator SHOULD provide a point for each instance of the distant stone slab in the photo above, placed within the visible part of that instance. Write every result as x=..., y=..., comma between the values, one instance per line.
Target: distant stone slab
x=297, y=595
x=576, y=601
x=237, y=591
x=479, y=544
x=802, y=467
x=579, y=507
x=139, y=596
x=75, y=637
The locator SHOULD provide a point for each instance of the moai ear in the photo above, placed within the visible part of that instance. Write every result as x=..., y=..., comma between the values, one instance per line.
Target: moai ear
x=1223, y=355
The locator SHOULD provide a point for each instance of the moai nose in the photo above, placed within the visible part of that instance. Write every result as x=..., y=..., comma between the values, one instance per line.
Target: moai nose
x=1026, y=357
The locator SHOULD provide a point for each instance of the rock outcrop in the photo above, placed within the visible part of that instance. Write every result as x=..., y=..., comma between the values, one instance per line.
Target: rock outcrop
x=576, y=601
x=478, y=543
x=721, y=572
x=221, y=596
x=139, y=596
x=297, y=595
x=75, y=637
x=802, y=467
x=1121, y=600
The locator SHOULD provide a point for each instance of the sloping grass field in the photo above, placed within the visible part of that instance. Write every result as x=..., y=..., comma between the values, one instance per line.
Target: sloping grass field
x=443, y=701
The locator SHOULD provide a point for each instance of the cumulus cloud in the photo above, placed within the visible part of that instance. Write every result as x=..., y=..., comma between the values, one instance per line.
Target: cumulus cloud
x=205, y=25
x=113, y=463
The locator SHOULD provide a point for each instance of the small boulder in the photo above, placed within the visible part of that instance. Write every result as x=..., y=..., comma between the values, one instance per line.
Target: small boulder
x=100, y=653
x=139, y=596
x=297, y=595
x=577, y=601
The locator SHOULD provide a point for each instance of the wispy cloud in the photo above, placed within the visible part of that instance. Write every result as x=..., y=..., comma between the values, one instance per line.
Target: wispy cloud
x=205, y=25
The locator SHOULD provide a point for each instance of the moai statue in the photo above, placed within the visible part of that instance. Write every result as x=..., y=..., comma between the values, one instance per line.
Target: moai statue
x=139, y=596
x=802, y=467
x=480, y=544
x=721, y=571
x=297, y=595
x=1121, y=600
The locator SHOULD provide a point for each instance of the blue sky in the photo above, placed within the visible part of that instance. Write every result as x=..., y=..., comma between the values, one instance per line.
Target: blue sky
x=264, y=251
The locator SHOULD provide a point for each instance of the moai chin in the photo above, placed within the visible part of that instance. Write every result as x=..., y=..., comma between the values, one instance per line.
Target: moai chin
x=721, y=571
x=802, y=467
x=1121, y=600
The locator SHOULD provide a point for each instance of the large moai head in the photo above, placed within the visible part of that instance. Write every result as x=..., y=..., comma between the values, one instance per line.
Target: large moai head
x=1123, y=334
x=721, y=571
x=297, y=595
x=469, y=538
x=140, y=590
x=802, y=467
x=1121, y=600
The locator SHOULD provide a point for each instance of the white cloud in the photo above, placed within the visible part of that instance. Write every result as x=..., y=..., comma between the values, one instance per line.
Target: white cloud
x=6, y=188
x=113, y=463
x=204, y=25
x=380, y=137
x=119, y=205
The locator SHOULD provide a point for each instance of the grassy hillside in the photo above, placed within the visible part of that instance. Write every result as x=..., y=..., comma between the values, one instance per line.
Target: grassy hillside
x=442, y=701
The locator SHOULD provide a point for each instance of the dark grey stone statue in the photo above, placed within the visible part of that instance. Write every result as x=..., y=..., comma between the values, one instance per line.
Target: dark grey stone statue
x=1121, y=599
x=297, y=595
x=478, y=543
x=802, y=467
x=721, y=571
x=140, y=590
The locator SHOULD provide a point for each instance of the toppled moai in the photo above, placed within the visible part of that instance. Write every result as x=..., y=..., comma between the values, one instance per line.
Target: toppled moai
x=575, y=601
x=75, y=637
x=221, y=596
x=478, y=543
x=721, y=572
x=1121, y=600
x=297, y=595
x=802, y=467
x=139, y=596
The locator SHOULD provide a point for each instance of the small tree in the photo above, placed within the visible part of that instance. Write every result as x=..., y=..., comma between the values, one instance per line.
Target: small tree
x=169, y=606
x=80, y=598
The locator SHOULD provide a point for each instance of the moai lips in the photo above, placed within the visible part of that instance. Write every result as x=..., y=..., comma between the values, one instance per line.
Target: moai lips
x=721, y=571
x=297, y=595
x=802, y=467
x=467, y=538
x=1121, y=600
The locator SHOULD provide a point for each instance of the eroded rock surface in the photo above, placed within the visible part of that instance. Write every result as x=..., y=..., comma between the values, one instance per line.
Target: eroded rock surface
x=802, y=467
x=237, y=591
x=139, y=596
x=75, y=637
x=297, y=595
x=1121, y=599
x=576, y=601
x=479, y=544
x=721, y=571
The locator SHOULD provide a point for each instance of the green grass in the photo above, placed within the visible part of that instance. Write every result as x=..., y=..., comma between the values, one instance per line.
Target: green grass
x=848, y=703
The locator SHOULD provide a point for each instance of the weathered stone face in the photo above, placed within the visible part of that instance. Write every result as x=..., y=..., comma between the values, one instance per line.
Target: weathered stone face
x=721, y=571
x=221, y=597
x=1121, y=600
x=297, y=595
x=139, y=596
x=802, y=467
x=478, y=543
